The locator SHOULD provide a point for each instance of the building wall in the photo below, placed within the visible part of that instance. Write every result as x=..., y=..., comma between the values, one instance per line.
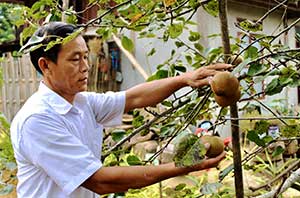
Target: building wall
x=208, y=25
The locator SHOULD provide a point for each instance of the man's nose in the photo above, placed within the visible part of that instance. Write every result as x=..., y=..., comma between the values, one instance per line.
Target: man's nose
x=84, y=66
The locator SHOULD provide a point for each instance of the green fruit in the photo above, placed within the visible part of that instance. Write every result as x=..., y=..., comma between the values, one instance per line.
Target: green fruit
x=224, y=84
x=216, y=145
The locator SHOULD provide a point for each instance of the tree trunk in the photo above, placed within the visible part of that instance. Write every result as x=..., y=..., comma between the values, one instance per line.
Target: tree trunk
x=238, y=173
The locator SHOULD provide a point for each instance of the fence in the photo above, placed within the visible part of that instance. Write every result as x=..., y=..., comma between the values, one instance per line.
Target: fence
x=20, y=80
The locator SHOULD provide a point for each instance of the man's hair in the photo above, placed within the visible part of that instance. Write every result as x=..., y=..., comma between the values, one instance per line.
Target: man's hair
x=50, y=32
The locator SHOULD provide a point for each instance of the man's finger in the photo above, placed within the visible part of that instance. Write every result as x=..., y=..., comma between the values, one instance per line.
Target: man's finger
x=219, y=66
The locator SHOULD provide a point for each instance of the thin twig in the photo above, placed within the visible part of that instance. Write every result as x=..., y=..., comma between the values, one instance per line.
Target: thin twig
x=260, y=118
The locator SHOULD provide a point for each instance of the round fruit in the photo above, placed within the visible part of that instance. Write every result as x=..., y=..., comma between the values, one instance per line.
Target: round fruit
x=216, y=145
x=235, y=59
x=225, y=101
x=224, y=84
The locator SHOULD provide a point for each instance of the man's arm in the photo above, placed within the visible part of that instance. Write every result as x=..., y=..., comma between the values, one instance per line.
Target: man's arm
x=151, y=93
x=120, y=179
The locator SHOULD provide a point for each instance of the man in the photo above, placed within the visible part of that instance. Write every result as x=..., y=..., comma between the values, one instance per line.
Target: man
x=57, y=135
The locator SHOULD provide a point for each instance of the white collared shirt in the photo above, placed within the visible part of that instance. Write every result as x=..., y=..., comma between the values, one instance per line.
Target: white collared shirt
x=58, y=145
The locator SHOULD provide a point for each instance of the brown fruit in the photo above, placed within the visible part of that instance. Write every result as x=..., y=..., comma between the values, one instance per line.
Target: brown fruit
x=224, y=84
x=216, y=145
x=225, y=101
x=235, y=59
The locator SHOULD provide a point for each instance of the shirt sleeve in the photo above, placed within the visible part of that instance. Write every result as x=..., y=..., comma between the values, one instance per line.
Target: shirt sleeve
x=51, y=147
x=108, y=107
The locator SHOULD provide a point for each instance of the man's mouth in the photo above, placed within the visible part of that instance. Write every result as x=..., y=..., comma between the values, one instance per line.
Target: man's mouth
x=83, y=79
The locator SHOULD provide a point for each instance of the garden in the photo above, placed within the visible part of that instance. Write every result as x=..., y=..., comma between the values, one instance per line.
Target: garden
x=260, y=131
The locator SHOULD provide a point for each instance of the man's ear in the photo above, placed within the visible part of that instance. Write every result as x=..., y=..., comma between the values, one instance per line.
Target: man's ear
x=44, y=65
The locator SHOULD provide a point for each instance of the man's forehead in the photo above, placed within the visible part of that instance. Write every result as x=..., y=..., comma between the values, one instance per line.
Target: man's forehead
x=75, y=46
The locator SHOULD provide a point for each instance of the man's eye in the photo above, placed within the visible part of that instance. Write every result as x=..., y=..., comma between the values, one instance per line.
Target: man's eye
x=75, y=59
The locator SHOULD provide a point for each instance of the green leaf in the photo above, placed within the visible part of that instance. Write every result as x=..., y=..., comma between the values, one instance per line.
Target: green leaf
x=166, y=103
x=151, y=52
x=212, y=8
x=127, y=43
x=199, y=47
x=210, y=188
x=225, y=172
x=105, y=33
x=118, y=134
x=175, y=30
x=6, y=189
x=189, y=151
x=251, y=26
x=189, y=59
x=133, y=160
x=179, y=44
x=255, y=69
x=278, y=150
x=251, y=52
x=253, y=136
x=194, y=36
x=180, y=187
x=160, y=74
x=273, y=87
x=241, y=66
x=111, y=160
x=180, y=68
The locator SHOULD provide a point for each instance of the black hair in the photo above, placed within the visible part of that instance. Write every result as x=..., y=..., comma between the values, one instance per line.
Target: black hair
x=50, y=32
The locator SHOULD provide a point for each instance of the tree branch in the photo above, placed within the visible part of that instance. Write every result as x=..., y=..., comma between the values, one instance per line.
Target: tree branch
x=294, y=177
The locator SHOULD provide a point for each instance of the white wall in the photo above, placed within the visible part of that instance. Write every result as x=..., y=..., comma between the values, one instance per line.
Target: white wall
x=208, y=25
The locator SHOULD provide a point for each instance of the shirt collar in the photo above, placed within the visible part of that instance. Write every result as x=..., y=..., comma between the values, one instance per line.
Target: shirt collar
x=58, y=103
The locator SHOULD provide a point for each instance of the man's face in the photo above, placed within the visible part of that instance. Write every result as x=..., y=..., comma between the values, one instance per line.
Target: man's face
x=69, y=74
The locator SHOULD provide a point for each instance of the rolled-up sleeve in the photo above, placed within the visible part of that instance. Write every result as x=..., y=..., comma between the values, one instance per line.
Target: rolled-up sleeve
x=49, y=145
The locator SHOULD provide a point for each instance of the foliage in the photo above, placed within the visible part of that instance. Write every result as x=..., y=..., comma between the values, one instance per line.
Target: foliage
x=189, y=151
x=266, y=60
x=9, y=13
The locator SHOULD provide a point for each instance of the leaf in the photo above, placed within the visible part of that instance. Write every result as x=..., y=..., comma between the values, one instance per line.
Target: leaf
x=189, y=59
x=179, y=44
x=127, y=43
x=111, y=160
x=180, y=68
x=210, y=188
x=105, y=33
x=273, y=87
x=253, y=136
x=6, y=189
x=194, y=36
x=199, y=47
x=133, y=160
x=251, y=25
x=166, y=103
x=151, y=52
x=33, y=41
x=255, y=69
x=225, y=172
x=118, y=134
x=180, y=187
x=212, y=8
x=160, y=74
x=169, y=3
x=189, y=151
x=251, y=52
x=241, y=66
x=175, y=30
x=278, y=150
